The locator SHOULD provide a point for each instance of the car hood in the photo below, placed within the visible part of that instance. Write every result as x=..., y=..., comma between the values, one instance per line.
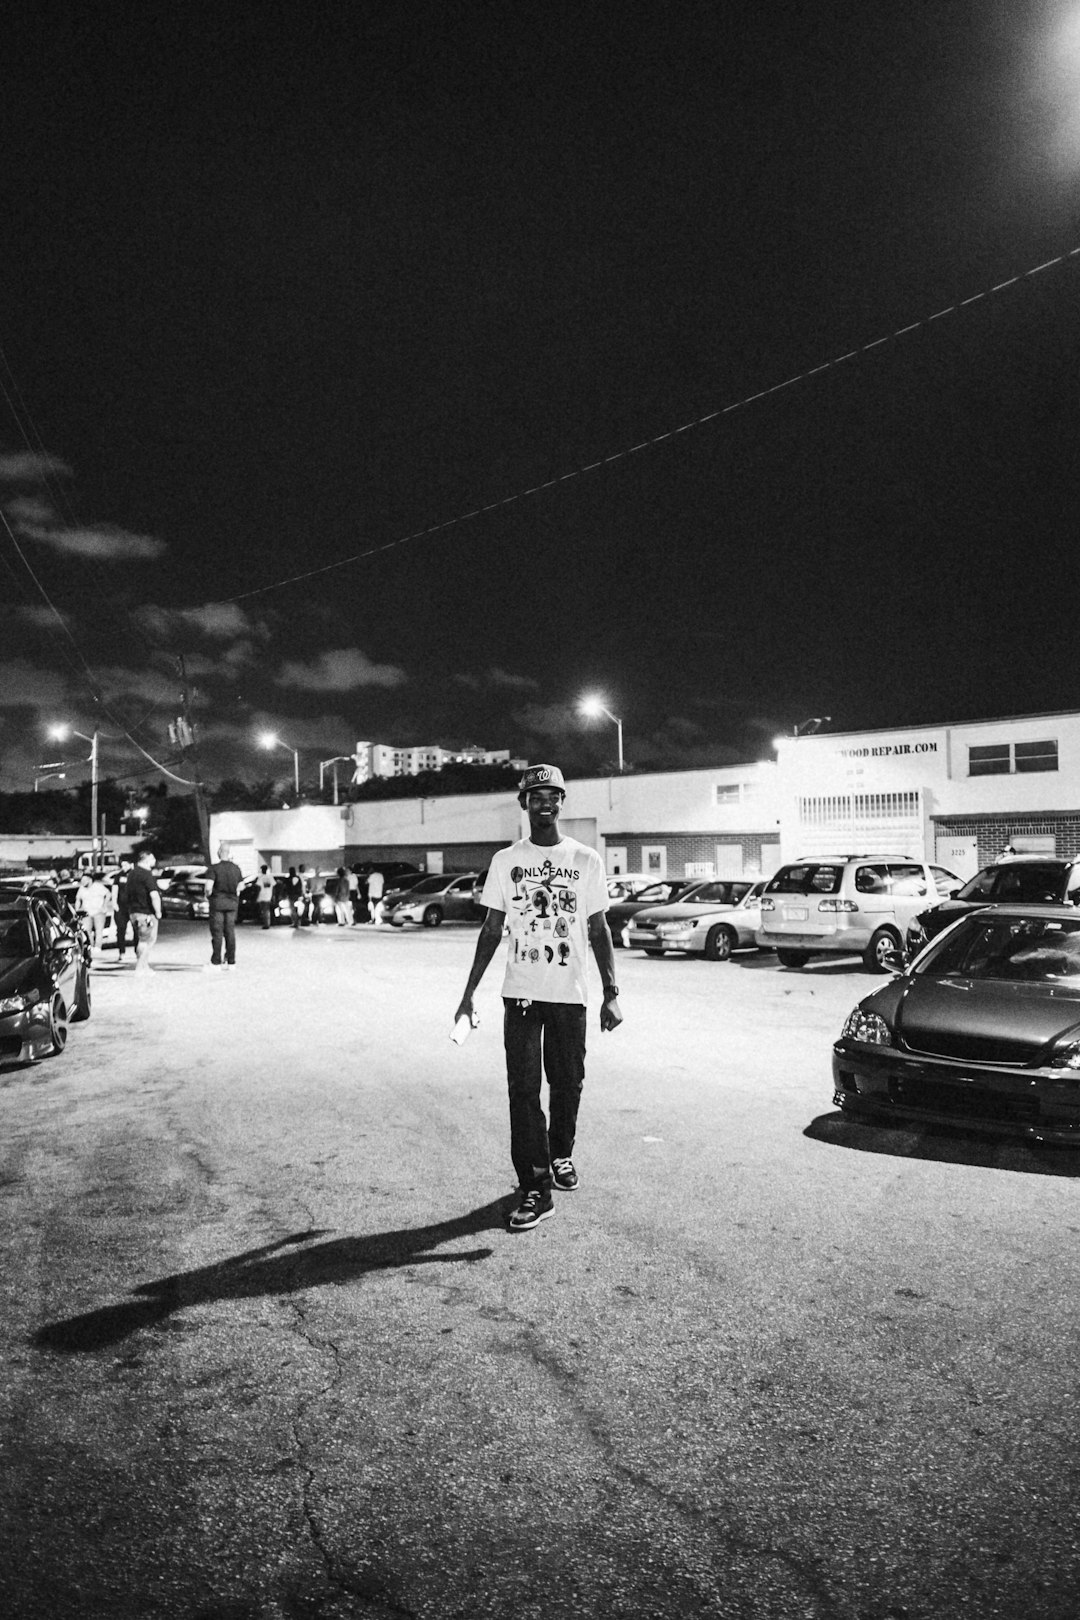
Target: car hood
x=15, y=975
x=980, y=1021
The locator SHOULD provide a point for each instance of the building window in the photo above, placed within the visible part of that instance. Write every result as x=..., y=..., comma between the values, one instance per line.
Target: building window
x=1036, y=756
x=726, y=793
x=1001, y=759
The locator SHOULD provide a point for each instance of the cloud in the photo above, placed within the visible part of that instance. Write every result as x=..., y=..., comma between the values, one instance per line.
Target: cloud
x=548, y=720
x=500, y=680
x=28, y=686
x=27, y=468
x=103, y=541
x=342, y=670
x=37, y=613
x=217, y=621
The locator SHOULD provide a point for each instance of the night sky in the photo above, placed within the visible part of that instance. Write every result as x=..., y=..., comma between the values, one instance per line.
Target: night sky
x=286, y=286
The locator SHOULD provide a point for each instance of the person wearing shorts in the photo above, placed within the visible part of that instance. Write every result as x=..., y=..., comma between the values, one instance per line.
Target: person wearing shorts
x=144, y=908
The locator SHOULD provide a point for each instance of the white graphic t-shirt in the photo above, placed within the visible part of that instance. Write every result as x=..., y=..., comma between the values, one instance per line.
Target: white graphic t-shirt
x=548, y=892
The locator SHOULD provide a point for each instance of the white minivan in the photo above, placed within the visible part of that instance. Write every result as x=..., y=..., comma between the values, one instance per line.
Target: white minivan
x=842, y=904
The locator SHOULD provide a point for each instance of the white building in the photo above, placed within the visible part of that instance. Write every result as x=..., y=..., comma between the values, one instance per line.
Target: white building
x=384, y=759
x=956, y=793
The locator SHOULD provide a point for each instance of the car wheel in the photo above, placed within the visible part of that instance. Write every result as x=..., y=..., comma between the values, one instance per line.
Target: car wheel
x=651, y=950
x=881, y=948
x=792, y=958
x=58, y=1025
x=432, y=917
x=81, y=1010
x=719, y=943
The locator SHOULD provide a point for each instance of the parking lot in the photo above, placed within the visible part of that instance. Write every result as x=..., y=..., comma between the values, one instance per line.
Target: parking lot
x=271, y=1352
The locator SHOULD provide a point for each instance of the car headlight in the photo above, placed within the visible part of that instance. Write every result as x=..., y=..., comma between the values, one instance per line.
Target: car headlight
x=672, y=927
x=18, y=1004
x=1067, y=1057
x=868, y=1027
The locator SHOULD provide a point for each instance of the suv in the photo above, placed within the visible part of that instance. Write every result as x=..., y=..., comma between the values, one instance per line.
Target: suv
x=842, y=904
x=1022, y=879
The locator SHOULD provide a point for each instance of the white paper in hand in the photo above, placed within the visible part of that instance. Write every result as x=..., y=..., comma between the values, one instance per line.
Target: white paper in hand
x=462, y=1028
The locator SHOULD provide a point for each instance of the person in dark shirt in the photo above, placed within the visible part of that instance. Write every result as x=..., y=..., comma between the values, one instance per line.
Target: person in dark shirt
x=122, y=910
x=144, y=908
x=226, y=877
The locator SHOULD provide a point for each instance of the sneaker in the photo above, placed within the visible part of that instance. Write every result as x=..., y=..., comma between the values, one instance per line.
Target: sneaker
x=213, y=967
x=535, y=1206
x=564, y=1175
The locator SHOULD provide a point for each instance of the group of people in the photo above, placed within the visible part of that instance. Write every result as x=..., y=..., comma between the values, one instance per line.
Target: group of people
x=132, y=897
x=355, y=898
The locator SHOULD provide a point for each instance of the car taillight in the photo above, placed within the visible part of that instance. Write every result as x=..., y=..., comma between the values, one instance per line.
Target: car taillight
x=767, y=904
x=837, y=905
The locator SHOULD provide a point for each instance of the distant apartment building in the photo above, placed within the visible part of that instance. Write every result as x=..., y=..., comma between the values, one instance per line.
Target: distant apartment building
x=383, y=759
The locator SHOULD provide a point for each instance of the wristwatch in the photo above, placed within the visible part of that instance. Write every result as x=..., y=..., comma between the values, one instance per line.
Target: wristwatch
x=611, y=992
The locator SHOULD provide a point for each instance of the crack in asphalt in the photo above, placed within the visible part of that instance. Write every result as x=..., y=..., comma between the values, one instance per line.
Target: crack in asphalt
x=565, y=1381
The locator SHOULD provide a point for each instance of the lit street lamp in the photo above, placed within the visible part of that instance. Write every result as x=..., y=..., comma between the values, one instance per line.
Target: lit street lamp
x=61, y=733
x=594, y=707
x=270, y=739
x=51, y=768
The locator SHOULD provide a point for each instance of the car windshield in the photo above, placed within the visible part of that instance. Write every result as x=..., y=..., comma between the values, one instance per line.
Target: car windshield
x=725, y=892
x=1026, y=882
x=807, y=877
x=15, y=943
x=1039, y=950
x=426, y=885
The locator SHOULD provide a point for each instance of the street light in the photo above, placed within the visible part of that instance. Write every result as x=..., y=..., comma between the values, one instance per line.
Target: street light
x=335, y=762
x=51, y=767
x=270, y=739
x=61, y=733
x=593, y=708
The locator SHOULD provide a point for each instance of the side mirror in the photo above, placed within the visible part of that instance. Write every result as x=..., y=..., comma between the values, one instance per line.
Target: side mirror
x=953, y=892
x=895, y=960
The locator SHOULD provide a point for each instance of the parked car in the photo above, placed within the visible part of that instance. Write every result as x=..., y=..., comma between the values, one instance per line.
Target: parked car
x=654, y=929
x=44, y=980
x=170, y=877
x=713, y=929
x=843, y=904
x=446, y=897
x=626, y=885
x=982, y=1030
x=1025, y=879
x=186, y=897
x=247, y=907
x=621, y=912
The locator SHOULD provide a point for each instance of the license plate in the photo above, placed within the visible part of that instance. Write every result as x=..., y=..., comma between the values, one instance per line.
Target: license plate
x=796, y=913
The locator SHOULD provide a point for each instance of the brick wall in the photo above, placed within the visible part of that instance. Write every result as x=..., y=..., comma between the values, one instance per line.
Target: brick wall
x=994, y=832
x=685, y=849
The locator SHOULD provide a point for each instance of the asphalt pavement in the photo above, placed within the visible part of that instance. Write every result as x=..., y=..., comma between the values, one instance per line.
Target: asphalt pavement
x=269, y=1350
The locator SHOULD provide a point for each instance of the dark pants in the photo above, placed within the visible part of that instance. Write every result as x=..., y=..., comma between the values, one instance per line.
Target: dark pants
x=122, y=920
x=264, y=912
x=222, y=923
x=554, y=1032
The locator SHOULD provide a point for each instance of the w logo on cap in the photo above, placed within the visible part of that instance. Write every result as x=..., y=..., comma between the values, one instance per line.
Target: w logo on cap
x=542, y=776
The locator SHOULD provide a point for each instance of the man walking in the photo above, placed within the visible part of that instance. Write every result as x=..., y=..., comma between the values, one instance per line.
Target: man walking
x=224, y=900
x=144, y=908
x=549, y=891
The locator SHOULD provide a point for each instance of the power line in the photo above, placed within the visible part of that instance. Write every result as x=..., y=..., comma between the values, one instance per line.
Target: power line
x=660, y=438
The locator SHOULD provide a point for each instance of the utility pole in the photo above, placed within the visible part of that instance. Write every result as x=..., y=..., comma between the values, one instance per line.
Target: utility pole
x=182, y=732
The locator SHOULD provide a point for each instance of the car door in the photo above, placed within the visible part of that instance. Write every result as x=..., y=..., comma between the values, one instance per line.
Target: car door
x=458, y=901
x=62, y=954
x=747, y=914
x=912, y=889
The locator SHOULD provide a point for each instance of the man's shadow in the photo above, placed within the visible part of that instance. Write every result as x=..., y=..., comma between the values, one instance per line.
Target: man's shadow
x=277, y=1268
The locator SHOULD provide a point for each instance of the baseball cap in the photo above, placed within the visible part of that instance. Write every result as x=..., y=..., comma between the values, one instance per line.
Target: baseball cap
x=542, y=776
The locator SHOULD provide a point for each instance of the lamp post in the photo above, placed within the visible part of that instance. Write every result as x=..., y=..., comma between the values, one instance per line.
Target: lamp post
x=270, y=739
x=51, y=768
x=593, y=707
x=61, y=733
x=335, y=762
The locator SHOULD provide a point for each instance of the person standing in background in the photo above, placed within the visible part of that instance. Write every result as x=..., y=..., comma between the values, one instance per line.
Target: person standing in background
x=374, y=896
x=226, y=879
x=144, y=908
x=122, y=916
x=94, y=901
x=340, y=895
x=264, y=895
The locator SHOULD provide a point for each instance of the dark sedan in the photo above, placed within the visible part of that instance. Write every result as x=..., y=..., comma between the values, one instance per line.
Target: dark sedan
x=619, y=912
x=982, y=1030
x=44, y=980
x=1024, y=880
